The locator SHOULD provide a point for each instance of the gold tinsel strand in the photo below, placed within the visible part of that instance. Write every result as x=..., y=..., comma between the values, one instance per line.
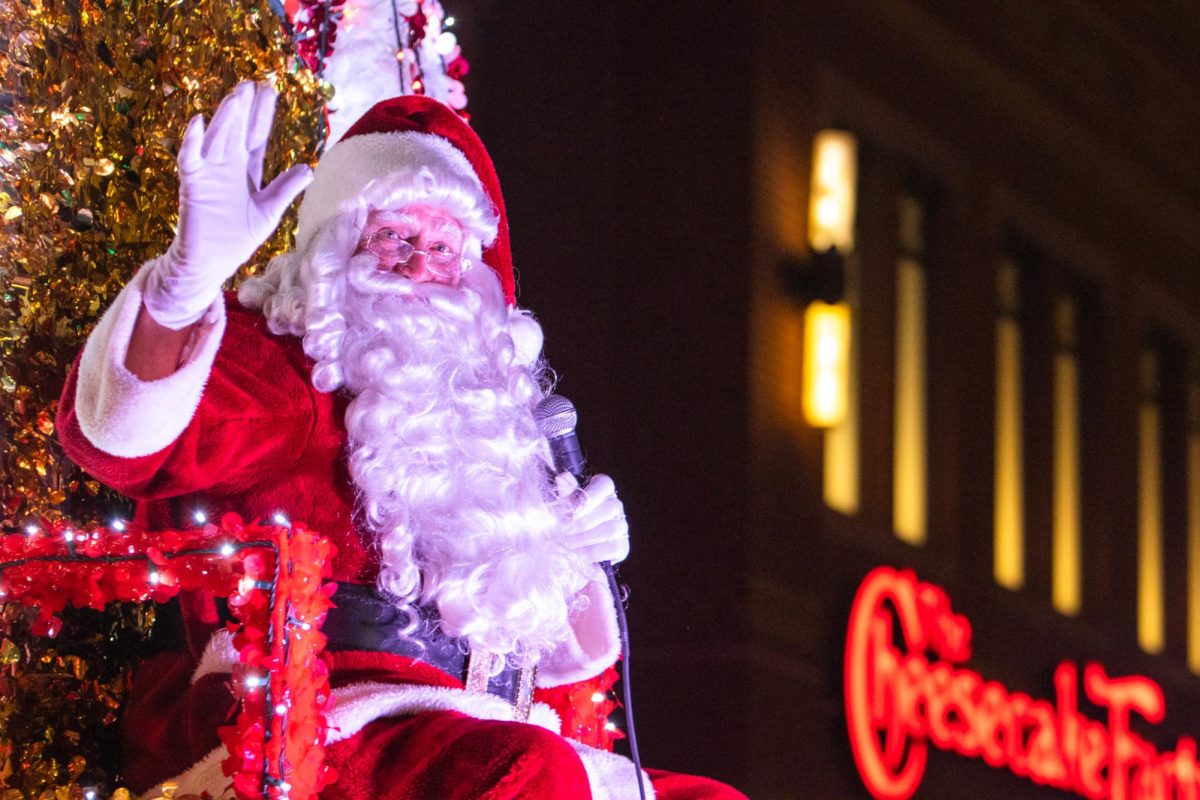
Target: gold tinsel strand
x=95, y=94
x=98, y=95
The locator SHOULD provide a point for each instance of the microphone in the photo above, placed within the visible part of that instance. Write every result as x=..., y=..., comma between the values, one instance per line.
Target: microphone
x=556, y=418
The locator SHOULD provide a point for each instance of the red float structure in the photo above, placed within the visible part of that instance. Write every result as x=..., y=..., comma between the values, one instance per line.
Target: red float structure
x=273, y=576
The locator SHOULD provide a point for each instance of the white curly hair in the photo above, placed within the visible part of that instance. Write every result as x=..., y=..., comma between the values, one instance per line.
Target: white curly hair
x=452, y=473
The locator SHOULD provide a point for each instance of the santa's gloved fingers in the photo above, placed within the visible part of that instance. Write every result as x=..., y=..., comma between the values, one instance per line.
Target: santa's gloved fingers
x=567, y=485
x=606, y=542
x=226, y=134
x=262, y=117
x=272, y=201
x=258, y=133
x=600, y=490
x=190, y=158
x=613, y=554
x=599, y=533
x=611, y=508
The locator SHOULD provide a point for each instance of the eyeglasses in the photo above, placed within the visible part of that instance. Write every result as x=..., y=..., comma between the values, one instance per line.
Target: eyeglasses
x=444, y=263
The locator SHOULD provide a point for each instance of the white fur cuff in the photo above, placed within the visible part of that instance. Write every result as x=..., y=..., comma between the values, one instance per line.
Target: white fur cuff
x=594, y=644
x=118, y=412
x=611, y=776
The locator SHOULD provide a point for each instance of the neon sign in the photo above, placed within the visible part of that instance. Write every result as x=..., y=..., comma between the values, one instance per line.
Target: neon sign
x=900, y=700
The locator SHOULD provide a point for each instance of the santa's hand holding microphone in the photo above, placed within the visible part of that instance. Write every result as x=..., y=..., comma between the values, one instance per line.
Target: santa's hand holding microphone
x=225, y=213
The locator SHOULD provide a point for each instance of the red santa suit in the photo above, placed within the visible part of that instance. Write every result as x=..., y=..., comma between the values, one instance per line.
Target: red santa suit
x=239, y=427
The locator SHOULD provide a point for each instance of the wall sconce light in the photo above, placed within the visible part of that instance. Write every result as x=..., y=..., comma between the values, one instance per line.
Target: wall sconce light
x=818, y=279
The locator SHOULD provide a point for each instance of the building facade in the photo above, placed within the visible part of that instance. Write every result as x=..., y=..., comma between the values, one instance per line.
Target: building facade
x=1024, y=435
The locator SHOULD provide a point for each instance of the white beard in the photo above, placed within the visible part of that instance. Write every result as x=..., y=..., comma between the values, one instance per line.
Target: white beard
x=451, y=470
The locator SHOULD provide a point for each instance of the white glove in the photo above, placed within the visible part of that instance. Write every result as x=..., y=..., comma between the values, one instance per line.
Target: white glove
x=597, y=529
x=225, y=213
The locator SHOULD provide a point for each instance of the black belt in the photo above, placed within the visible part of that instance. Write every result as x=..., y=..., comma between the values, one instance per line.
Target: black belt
x=362, y=620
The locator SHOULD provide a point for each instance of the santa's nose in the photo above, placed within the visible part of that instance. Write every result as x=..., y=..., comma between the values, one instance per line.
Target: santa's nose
x=417, y=267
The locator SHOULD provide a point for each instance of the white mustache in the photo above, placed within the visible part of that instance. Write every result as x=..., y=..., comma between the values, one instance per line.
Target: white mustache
x=364, y=277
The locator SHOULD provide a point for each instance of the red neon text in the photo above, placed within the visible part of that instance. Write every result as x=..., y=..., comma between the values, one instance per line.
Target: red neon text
x=901, y=701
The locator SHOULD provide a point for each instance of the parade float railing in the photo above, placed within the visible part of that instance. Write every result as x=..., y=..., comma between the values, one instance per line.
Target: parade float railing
x=273, y=576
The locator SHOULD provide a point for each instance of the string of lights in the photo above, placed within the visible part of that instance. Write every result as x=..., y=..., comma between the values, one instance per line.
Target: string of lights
x=272, y=576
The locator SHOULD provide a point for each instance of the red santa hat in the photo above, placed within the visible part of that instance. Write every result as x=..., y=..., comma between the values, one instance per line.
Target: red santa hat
x=399, y=137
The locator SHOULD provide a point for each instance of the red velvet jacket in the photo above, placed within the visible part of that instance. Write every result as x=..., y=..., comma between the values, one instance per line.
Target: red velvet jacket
x=260, y=440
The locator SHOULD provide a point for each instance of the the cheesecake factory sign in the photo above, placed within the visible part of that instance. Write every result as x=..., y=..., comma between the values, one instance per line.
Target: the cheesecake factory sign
x=906, y=691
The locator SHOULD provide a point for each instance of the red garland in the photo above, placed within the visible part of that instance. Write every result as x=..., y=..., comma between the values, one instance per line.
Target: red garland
x=584, y=708
x=307, y=22
x=311, y=16
x=273, y=576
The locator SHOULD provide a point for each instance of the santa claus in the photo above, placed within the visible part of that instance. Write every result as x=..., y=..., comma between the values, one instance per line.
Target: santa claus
x=378, y=383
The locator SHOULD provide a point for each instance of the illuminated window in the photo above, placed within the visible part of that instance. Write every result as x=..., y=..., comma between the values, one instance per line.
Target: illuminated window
x=1008, y=565
x=841, y=476
x=1066, y=552
x=1150, y=610
x=909, y=478
x=832, y=213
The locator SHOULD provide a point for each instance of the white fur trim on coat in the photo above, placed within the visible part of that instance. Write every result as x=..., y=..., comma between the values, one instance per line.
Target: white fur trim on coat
x=611, y=776
x=120, y=413
x=358, y=704
x=594, y=644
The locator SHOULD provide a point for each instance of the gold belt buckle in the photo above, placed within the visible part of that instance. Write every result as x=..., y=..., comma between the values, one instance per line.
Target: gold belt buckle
x=479, y=671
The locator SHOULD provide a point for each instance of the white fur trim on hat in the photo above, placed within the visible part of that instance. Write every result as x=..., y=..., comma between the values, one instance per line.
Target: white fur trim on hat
x=352, y=166
x=120, y=413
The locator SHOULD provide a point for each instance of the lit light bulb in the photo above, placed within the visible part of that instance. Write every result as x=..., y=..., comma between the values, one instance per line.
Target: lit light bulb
x=200, y=517
x=69, y=536
x=227, y=549
x=598, y=697
x=280, y=519
x=281, y=709
x=445, y=43
x=118, y=525
x=155, y=577
x=31, y=529
x=449, y=21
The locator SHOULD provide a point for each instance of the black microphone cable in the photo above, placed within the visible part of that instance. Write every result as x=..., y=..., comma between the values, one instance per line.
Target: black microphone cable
x=626, y=684
x=556, y=418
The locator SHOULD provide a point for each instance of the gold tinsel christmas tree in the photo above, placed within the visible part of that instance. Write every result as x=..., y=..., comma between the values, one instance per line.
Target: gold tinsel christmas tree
x=95, y=95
